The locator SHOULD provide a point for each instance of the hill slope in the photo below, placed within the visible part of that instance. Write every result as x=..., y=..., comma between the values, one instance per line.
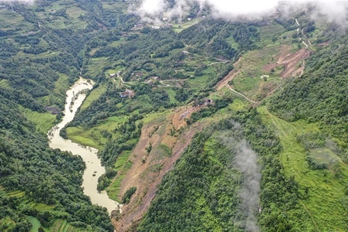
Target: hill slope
x=267, y=102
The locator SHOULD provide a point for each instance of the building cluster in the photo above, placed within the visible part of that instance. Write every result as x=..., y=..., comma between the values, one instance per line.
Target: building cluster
x=127, y=94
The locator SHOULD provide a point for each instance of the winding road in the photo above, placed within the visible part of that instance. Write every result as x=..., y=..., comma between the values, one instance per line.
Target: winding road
x=298, y=30
x=239, y=93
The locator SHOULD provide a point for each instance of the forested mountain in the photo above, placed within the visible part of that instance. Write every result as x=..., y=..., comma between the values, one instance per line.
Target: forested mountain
x=38, y=181
x=320, y=95
x=202, y=123
x=215, y=184
x=38, y=63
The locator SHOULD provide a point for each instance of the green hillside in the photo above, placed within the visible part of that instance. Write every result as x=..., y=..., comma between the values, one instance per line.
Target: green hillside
x=40, y=188
x=203, y=124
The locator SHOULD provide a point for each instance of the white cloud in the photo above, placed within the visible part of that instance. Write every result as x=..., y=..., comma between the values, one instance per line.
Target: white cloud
x=235, y=7
x=152, y=6
x=240, y=7
x=22, y=1
x=335, y=11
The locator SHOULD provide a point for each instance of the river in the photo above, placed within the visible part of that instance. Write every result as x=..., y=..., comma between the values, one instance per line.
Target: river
x=74, y=99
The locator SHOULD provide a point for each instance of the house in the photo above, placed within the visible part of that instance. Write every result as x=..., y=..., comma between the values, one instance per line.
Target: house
x=139, y=74
x=112, y=74
x=208, y=102
x=264, y=77
x=152, y=80
x=128, y=93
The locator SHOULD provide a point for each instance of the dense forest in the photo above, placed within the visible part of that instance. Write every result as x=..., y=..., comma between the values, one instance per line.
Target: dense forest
x=33, y=174
x=320, y=95
x=38, y=63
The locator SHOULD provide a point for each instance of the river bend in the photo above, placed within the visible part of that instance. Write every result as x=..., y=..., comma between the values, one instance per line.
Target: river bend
x=75, y=97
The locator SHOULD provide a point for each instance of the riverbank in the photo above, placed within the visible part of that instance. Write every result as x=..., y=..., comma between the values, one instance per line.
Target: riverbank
x=75, y=97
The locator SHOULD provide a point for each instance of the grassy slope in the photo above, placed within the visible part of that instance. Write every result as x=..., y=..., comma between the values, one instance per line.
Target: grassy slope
x=93, y=136
x=94, y=95
x=326, y=203
x=64, y=226
x=122, y=165
x=95, y=66
x=10, y=20
x=35, y=224
x=42, y=121
x=179, y=27
x=248, y=80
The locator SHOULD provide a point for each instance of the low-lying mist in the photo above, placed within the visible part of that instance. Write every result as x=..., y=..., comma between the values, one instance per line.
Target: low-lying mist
x=18, y=1
x=245, y=160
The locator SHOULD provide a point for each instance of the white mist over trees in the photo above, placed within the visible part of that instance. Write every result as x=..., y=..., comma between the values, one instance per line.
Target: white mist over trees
x=17, y=1
x=334, y=11
x=245, y=160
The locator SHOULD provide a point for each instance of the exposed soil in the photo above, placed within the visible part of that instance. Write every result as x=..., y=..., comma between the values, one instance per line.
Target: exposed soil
x=173, y=83
x=173, y=133
x=229, y=76
x=53, y=110
x=323, y=44
x=148, y=169
x=291, y=62
x=266, y=89
x=179, y=116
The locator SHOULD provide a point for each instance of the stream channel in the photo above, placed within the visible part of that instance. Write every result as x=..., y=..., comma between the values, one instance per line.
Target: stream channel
x=74, y=99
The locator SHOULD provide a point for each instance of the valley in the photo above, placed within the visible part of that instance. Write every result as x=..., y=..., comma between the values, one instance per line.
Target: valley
x=75, y=97
x=197, y=123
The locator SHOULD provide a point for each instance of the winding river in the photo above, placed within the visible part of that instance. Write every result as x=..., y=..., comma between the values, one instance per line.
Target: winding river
x=75, y=97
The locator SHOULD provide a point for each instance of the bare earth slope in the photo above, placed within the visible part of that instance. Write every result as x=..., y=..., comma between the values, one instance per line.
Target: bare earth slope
x=168, y=139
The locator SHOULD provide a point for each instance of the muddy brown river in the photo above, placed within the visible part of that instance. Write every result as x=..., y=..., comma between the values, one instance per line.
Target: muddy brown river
x=75, y=97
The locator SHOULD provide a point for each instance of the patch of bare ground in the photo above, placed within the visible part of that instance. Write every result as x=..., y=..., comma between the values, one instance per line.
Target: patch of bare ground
x=282, y=58
x=93, y=51
x=292, y=62
x=265, y=89
x=168, y=139
x=229, y=76
x=179, y=116
x=323, y=44
x=179, y=83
